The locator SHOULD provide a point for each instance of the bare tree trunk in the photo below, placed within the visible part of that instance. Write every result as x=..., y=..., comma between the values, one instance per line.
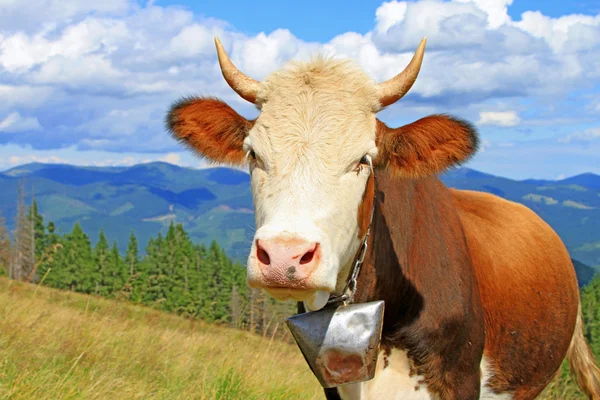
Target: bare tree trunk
x=31, y=273
x=252, y=311
x=186, y=274
x=235, y=307
x=264, y=313
x=23, y=238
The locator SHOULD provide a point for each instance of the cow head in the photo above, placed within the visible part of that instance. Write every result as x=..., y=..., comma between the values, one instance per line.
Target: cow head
x=311, y=154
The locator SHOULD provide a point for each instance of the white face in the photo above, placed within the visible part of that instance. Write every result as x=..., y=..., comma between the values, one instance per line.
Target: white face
x=308, y=155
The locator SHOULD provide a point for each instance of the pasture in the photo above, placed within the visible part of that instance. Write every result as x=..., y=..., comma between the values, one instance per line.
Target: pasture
x=63, y=345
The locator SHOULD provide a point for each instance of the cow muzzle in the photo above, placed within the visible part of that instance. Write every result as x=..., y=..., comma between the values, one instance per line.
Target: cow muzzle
x=287, y=261
x=287, y=265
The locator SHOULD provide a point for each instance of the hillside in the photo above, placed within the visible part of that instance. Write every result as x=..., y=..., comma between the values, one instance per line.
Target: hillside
x=212, y=203
x=56, y=344
x=216, y=203
x=571, y=206
x=63, y=345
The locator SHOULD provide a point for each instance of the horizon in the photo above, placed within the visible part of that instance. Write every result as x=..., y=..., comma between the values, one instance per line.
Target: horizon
x=91, y=84
x=215, y=166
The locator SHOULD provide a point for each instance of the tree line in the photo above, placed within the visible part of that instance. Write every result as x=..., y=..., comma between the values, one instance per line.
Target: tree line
x=174, y=274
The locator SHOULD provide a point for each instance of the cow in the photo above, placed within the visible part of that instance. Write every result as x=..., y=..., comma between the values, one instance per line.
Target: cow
x=481, y=296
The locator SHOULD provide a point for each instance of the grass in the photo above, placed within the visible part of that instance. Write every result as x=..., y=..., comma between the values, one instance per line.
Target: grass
x=61, y=345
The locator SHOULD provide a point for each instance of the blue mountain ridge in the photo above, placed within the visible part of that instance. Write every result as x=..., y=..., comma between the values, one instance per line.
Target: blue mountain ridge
x=216, y=203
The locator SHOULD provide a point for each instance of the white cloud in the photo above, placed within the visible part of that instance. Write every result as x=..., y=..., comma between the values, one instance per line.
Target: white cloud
x=100, y=76
x=24, y=96
x=47, y=14
x=565, y=34
x=587, y=135
x=171, y=158
x=11, y=155
x=14, y=122
x=484, y=145
x=594, y=106
x=389, y=14
x=18, y=160
x=499, y=118
x=496, y=10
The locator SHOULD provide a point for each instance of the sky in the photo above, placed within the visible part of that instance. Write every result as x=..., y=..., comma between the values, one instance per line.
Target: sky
x=89, y=83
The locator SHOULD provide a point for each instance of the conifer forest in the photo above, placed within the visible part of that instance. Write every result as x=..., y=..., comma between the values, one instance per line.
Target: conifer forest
x=171, y=273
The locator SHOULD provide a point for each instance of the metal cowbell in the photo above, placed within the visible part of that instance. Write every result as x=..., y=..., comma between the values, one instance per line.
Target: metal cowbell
x=340, y=344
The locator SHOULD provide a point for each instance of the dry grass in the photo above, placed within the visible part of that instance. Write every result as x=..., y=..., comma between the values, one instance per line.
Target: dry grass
x=60, y=345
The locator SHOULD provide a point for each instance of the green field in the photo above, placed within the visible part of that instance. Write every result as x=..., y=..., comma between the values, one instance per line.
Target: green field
x=63, y=345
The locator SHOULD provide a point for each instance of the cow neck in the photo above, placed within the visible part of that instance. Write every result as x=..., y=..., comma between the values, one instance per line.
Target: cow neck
x=418, y=260
x=350, y=288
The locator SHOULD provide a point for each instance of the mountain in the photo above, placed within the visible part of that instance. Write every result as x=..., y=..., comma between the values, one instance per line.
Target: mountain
x=216, y=203
x=571, y=206
x=588, y=180
x=211, y=203
x=584, y=273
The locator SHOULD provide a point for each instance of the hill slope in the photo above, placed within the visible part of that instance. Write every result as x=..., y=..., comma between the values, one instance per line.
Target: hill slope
x=57, y=344
x=216, y=203
x=571, y=206
x=212, y=203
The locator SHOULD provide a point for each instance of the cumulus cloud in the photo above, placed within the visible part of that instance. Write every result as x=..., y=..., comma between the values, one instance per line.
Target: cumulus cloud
x=23, y=96
x=100, y=76
x=14, y=122
x=499, y=118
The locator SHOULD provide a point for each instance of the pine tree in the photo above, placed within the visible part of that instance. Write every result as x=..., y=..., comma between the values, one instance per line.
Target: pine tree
x=174, y=275
x=132, y=258
x=5, y=246
x=155, y=289
x=102, y=275
x=590, y=308
x=118, y=270
x=39, y=231
x=23, y=254
x=75, y=268
x=51, y=240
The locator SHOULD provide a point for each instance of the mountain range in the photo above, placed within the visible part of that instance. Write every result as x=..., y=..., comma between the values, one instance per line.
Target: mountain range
x=216, y=203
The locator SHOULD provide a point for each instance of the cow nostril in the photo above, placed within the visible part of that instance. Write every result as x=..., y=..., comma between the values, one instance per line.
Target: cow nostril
x=308, y=256
x=262, y=255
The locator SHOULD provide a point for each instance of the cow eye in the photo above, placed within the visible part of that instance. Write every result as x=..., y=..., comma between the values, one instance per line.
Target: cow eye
x=254, y=159
x=364, y=160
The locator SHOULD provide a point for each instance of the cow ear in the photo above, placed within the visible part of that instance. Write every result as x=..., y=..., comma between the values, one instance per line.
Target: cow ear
x=426, y=147
x=210, y=127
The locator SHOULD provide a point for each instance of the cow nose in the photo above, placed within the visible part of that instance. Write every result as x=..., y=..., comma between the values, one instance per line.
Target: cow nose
x=287, y=259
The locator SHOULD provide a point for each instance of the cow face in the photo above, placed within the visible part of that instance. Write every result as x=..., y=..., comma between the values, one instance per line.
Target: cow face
x=311, y=154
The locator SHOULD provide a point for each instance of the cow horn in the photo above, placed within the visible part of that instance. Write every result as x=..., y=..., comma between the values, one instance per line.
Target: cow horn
x=392, y=90
x=243, y=85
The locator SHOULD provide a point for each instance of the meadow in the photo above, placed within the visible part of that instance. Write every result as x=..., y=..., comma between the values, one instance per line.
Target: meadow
x=62, y=345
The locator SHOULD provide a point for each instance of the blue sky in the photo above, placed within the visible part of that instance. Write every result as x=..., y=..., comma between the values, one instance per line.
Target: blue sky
x=330, y=18
x=89, y=82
